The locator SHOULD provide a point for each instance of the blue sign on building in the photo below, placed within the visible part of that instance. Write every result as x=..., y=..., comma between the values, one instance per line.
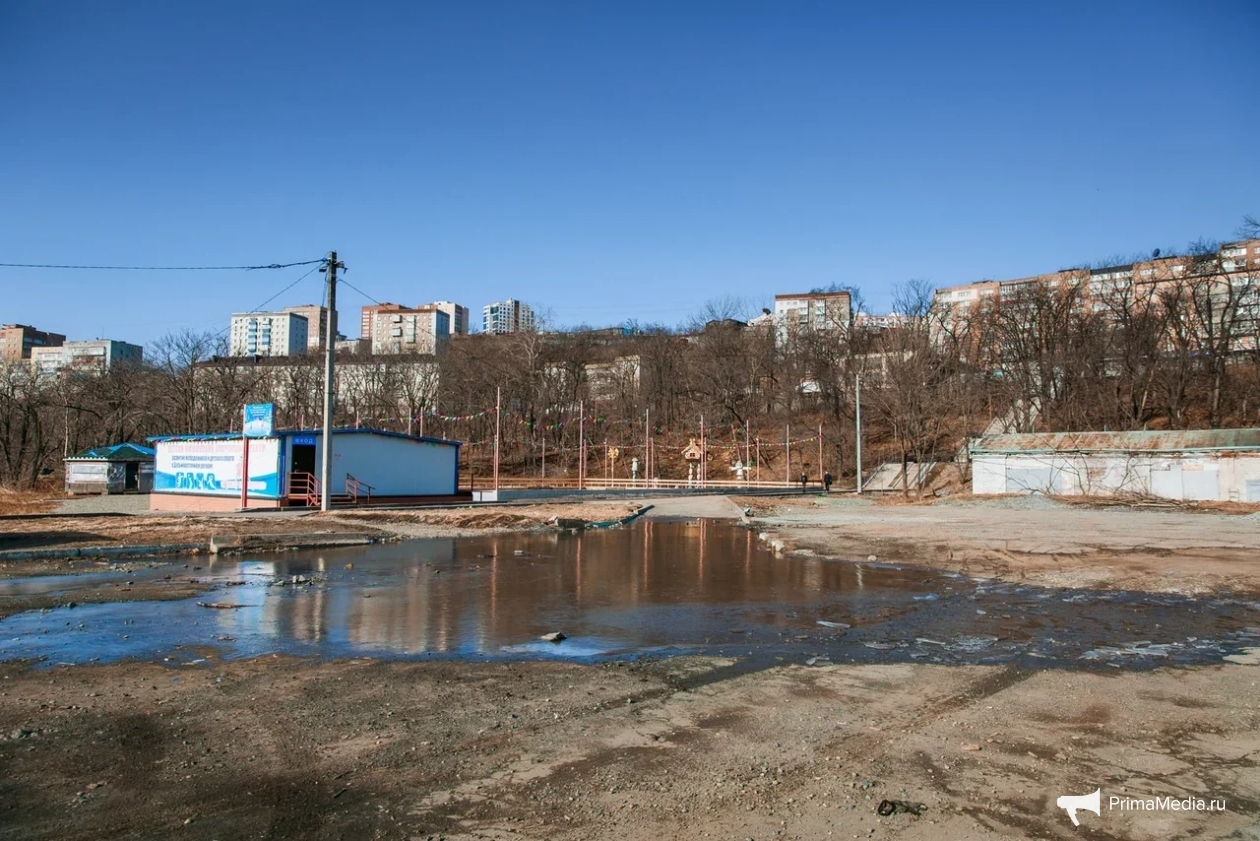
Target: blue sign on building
x=259, y=420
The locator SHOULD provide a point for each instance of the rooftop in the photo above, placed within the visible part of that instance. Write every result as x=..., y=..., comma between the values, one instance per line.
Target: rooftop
x=1164, y=441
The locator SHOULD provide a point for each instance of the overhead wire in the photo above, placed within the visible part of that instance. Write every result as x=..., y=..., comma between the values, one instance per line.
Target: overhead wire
x=163, y=268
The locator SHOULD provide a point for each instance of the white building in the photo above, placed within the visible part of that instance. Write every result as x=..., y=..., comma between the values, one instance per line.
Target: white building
x=268, y=334
x=1205, y=464
x=509, y=316
x=94, y=356
x=458, y=315
x=809, y=311
x=424, y=330
x=203, y=472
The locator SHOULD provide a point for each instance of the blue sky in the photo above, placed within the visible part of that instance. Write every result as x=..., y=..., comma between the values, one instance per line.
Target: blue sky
x=605, y=161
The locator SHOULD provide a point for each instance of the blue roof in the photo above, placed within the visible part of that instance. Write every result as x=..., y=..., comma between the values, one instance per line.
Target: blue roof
x=115, y=452
x=290, y=433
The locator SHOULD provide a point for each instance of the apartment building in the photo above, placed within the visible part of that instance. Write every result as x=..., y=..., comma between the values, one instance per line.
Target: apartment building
x=18, y=340
x=316, y=325
x=95, y=356
x=423, y=330
x=268, y=334
x=811, y=311
x=458, y=315
x=1104, y=288
x=367, y=318
x=507, y=316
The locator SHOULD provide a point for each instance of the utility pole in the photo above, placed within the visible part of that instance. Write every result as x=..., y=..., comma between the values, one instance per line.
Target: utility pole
x=787, y=454
x=330, y=353
x=857, y=411
x=498, y=411
x=647, y=446
x=581, y=446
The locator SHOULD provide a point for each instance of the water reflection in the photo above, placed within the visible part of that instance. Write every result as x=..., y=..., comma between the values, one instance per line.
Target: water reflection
x=659, y=586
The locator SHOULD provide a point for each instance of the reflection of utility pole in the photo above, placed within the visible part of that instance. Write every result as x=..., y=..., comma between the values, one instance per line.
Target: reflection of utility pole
x=330, y=354
x=857, y=410
x=498, y=410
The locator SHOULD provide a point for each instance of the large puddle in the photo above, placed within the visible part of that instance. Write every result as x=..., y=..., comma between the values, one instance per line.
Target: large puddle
x=657, y=587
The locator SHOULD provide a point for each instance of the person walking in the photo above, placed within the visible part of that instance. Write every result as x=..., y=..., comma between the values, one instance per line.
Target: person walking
x=827, y=481
x=804, y=481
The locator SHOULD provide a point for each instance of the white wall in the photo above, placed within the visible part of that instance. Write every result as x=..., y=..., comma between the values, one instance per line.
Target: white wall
x=1108, y=474
x=392, y=466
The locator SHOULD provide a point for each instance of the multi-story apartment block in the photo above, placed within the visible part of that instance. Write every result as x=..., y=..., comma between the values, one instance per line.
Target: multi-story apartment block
x=316, y=325
x=458, y=315
x=18, y=340
x=509, y=316
x=94, y=356
x=367, y=318
x=423, y=330
x=268, y=334
x=811, y=311
x=1230, y=278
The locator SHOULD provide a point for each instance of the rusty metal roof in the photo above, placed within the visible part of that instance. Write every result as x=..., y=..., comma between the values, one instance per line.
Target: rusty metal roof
x=1173, y=441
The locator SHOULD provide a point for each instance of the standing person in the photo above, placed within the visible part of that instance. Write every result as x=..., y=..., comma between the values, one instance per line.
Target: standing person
x=804, y=481
x=827, y=481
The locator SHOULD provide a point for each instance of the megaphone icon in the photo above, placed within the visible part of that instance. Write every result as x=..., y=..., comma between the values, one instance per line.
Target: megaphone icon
x=1071, y=802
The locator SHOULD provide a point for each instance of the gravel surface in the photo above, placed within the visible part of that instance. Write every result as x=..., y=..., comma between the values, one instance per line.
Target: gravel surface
x=106, y=504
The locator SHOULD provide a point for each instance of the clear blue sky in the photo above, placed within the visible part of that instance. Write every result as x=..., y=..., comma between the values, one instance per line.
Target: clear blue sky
x=603, y=160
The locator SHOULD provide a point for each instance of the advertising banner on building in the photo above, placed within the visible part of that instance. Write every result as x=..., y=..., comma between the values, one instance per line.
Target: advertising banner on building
x=259, y=421
x=213, y=468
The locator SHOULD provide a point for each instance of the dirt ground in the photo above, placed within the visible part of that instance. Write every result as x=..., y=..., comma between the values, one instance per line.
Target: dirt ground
x=1031, y=539
x=677, y=748
x=680, y=748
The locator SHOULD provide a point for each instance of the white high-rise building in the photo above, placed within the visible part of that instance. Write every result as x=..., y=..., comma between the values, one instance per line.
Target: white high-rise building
x=510, y=316
x=268, y=334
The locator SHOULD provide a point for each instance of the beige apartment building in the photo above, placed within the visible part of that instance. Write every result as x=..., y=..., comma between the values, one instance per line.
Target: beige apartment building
x=18, y=340
x=423, y=330
x=1140, y=281
x=316, y=325
x=811, y=311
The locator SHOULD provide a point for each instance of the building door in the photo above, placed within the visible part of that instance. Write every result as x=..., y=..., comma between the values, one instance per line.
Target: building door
x=131, y=480
x=304, y=458
x=1253, y=490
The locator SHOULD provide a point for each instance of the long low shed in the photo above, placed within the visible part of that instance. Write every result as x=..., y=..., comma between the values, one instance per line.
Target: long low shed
x=203, y=472
x=1208, y=464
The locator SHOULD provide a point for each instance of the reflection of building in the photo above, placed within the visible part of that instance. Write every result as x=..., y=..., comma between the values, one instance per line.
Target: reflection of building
x=18, y=340
x=509, y=316
x=268, y=334
x=95, y=356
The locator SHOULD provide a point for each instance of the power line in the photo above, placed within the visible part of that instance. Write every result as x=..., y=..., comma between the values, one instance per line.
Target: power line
x=345, y=282
x=281, y=292
x=163, y=268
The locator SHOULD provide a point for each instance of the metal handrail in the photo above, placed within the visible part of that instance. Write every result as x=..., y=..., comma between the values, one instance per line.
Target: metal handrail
x=354, y=487
x=305, y=487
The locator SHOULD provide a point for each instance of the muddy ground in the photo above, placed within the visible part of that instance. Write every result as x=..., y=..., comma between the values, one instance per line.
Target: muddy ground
x=1030, y=539
x=679, y=748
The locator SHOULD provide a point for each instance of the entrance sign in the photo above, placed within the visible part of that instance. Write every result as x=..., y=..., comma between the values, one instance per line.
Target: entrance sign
x=259, y=420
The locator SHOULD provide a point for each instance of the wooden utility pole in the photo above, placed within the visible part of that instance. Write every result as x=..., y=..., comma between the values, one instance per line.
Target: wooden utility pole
x=647, y=444
x=703, y=459
x=330, y=354
x=581, y=445
x=820, y=453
